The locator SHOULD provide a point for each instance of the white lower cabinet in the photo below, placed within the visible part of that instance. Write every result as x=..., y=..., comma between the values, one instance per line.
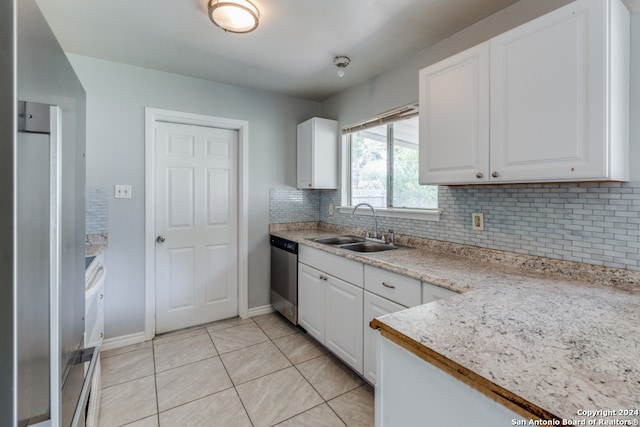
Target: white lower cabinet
x=411, y=391
x=343, y=309
x=330, y=308
x=374, y=306
x=338, y=298
x=311, y=303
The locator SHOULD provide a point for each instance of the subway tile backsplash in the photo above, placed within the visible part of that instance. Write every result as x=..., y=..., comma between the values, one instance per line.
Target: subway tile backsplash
x=288, y=204
x=97, y=210
x=595, y=223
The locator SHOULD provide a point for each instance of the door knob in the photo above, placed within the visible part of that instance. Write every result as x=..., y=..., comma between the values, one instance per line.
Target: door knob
x=495, y=174
x=160, y=239
x=479, y=175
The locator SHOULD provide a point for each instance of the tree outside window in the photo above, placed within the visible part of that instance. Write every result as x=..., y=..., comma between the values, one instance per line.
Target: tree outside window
x=384, y=167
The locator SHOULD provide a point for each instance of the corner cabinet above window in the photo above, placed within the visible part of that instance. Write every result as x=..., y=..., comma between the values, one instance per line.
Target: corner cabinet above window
x=545, y=102
x=318, y=154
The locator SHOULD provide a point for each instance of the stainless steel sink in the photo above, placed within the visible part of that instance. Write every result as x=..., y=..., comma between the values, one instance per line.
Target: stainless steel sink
x=368, y=247
x=339, y=240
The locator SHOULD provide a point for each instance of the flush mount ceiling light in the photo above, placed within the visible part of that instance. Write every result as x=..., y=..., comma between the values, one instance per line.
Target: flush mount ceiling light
x=341, y=62
x=234, y=16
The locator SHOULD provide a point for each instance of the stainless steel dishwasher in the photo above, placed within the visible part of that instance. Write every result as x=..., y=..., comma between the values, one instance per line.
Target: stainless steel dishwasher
x=284, y=277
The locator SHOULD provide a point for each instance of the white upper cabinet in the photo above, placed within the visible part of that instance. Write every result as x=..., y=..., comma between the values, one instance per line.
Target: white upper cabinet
x=454, y=118
x=557, y=103
x=318, y=154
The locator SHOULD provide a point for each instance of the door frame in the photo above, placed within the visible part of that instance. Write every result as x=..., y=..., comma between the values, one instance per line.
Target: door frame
x=153, y=116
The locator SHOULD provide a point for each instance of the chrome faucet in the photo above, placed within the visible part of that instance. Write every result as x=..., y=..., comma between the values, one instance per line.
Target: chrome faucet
x=375, y=222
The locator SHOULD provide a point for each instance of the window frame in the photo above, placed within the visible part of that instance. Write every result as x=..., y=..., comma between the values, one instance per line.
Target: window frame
x=425, y=214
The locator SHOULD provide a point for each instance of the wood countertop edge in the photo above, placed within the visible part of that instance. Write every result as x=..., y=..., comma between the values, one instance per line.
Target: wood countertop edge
x=501, y=395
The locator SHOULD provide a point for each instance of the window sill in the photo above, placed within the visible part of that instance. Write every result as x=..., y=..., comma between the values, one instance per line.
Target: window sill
x=415, y=214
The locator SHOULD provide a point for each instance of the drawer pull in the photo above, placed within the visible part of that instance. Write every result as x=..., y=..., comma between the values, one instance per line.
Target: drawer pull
x=388, y=286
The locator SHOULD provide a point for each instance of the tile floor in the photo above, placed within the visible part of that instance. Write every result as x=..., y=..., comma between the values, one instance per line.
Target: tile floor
x=239, y=372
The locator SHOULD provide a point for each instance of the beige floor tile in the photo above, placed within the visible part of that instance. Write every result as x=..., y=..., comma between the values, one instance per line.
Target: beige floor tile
x=238, y=337
x=151, y=421
x=275, y=326
x=128, y=402
x=227, y=323
x=320, y=416
x=190, y=382
x=179, y=335
x=329, y=376
x=277, y=397
x=126, y=367
x=173, y=354
x=299, y=347
x=253, y=362
x=356, y=408
x=125, y=349
x=220, y=409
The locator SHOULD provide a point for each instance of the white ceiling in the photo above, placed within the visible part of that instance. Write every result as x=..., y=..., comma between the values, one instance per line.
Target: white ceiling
x=290, y=53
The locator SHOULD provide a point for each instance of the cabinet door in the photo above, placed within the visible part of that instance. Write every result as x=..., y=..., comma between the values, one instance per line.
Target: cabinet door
x=311, y=301
x=454, y=119
x=549, y=97
x=343, y=308
x=304, y=155
x=374, y=306
x=317, y=154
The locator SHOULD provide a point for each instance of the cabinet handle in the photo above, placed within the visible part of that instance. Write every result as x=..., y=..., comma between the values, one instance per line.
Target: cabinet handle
x=101, y=296
x=495, y=174
x=479, y=175
x=388, y=286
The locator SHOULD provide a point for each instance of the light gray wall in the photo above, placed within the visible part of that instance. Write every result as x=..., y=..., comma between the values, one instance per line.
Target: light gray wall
x=116, y=97
x=597, y=223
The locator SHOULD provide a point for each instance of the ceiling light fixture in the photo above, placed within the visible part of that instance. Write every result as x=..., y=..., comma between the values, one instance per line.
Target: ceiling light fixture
x=341, y=62
x=234, y=16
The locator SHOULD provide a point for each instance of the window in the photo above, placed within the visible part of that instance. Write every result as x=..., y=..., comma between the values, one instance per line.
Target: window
x=384, y=167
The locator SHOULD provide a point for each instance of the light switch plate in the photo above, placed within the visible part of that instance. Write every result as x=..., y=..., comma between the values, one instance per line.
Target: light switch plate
x=122, y=191
x=477, y=221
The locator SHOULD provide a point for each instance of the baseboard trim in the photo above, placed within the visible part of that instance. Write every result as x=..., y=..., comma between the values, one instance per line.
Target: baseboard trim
x=257, y=311
x=122, y=341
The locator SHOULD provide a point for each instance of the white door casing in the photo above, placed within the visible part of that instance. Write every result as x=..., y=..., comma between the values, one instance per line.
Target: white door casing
x=219, y=242
x=196, y=225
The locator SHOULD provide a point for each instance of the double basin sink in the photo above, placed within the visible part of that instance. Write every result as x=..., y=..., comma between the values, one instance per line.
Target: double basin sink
x=354, y=244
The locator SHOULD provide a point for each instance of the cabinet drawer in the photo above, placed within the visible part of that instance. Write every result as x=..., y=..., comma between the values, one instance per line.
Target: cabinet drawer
x=399, y=289
x=432, y=293
x=342, y=268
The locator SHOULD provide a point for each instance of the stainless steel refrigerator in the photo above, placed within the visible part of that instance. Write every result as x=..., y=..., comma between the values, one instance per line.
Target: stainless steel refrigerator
x=42, y=144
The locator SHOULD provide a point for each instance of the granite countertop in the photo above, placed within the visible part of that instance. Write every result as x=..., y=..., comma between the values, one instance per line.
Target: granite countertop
x=95, y=243
x=558, y=337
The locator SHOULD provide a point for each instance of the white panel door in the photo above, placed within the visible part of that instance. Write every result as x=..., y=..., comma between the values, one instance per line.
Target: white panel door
x=196, y=259
x=311, y=301
x=454, y=119
x=374, y=306
x=548, y=98
x=343, y=322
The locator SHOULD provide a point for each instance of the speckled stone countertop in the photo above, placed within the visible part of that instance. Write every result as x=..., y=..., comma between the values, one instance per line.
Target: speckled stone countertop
x=95, y=243
x=560, y=336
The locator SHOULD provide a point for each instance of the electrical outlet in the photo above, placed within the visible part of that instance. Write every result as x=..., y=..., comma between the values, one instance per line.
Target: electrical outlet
x=477, y=221
x=330, y=210
x=122, y=191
